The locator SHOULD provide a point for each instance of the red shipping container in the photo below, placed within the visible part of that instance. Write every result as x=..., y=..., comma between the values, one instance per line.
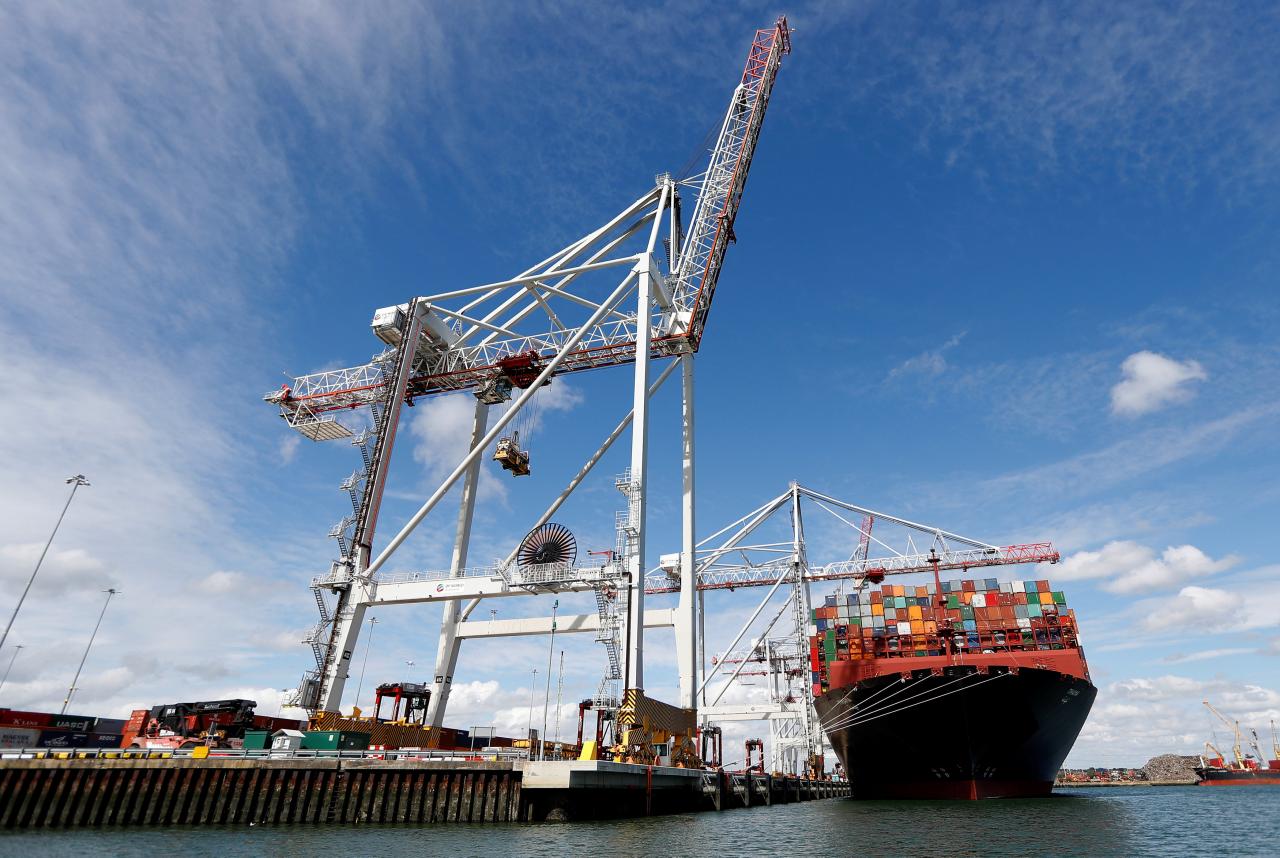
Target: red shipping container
x=18, y=718
x=1042, y=586
x=876, y=597
x=968, y=586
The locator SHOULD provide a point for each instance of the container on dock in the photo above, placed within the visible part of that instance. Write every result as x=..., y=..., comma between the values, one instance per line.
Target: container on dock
x=335, y=740
x=256, y=740
x=18, y=737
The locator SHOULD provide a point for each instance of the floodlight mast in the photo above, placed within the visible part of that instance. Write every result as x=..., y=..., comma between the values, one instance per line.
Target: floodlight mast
x=520, y=333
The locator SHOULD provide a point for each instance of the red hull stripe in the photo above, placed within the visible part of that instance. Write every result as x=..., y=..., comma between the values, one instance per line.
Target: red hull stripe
x=1241, y=781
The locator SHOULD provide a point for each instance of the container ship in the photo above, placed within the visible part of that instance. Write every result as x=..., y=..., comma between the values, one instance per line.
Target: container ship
x=1244, y=769
x=952, y=690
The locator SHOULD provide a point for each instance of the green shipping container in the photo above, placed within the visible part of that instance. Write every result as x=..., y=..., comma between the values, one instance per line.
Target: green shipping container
x=257, y=740
x=1033, y=610
x=335, y=740
x=1059, y=598
x=966, y=613
x=953, y=601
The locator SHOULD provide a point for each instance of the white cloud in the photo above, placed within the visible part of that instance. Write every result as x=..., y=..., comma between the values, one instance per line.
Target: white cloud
x=1203, y=610
x=222, y=581
x=1206, y=655
x=1131, y=568
x=63, y=570
x=1152, y=381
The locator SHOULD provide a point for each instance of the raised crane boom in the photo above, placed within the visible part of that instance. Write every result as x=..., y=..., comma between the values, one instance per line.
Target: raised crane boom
x=495, y=335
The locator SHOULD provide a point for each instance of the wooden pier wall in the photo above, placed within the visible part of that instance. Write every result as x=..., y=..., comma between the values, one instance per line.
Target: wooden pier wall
x=121, y=792
x=69, y=793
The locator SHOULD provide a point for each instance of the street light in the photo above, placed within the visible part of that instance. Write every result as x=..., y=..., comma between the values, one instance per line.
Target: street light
x=373, y=621
x=17, y=648
x=76, y=482
x=551, y=651
x=111, y=591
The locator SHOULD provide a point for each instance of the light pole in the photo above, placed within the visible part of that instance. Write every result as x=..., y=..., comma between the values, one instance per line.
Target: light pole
x=542, y=737
x=111, y=591
x=76, y=482
x=17, y=648
x=373, y=621
x=528, y=730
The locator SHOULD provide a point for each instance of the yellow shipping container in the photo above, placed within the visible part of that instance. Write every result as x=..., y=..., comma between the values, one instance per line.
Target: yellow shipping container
x=1046, y=598
x=915, y=612
x=917, y=627
x=877, y=609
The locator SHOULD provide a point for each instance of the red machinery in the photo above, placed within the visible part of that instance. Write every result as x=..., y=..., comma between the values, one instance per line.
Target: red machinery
x=218, y=723
x=413, y=695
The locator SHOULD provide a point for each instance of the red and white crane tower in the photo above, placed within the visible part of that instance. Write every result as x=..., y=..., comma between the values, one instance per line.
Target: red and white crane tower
x=603, y=300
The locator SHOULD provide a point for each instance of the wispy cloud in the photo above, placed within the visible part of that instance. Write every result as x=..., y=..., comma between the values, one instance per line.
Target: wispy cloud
x=928, y=364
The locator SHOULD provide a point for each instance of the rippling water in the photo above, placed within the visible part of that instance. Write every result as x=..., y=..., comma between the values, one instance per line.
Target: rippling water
x=1109, y=821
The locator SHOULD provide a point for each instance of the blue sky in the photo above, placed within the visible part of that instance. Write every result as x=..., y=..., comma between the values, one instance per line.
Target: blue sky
x=1009, y=269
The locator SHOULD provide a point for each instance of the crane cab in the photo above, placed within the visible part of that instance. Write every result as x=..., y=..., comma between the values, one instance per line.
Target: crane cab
x=511, y=457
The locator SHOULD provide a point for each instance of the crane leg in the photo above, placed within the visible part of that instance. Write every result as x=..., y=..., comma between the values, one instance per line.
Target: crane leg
x=447, y=650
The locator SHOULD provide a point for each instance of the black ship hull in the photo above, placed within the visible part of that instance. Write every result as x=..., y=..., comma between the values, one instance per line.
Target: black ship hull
x=958, y=735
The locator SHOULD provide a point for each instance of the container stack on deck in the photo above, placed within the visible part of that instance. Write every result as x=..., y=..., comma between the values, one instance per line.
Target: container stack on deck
x=903, y=621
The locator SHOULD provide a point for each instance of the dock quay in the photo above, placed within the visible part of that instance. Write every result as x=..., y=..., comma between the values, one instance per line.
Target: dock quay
x=66, y=791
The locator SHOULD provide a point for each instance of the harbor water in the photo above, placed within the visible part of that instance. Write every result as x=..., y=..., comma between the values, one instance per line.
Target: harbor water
x=1137, y=821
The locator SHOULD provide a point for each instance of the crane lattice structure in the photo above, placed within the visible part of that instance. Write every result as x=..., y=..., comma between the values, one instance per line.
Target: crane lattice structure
x=768, y=547
x=635, y=290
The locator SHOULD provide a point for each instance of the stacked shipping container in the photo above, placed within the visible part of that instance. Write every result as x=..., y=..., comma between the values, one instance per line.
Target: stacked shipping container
x=904, y=621
x=20, y=729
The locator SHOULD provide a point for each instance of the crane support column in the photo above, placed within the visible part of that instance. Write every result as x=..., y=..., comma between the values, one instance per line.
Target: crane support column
x=636, y=507
x=349, y=613
x=687, y=610
x=447, y=650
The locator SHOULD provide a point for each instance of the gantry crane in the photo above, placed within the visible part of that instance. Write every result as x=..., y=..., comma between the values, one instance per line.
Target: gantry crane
x=505, y=340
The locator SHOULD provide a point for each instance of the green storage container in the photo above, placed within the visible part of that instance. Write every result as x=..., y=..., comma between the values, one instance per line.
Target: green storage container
x=1033, y=610
x=1059, y=598
x=953, y=601
x=257, y=740
x=966, y=612
x=335, y=740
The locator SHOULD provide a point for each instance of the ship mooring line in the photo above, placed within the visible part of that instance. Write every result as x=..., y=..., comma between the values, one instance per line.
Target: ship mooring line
x=930, y=700
x=904, y=686
x=856, y=715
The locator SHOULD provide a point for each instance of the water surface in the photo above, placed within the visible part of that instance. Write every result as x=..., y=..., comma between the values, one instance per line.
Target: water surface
x=1156, y=821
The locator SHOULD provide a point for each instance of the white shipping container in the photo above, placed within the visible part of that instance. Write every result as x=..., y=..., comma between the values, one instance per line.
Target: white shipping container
x=1024, y=623
x=904, y=628
x=979, y=600
x=1017, y=586
x=1006, y=587
x=19, y=737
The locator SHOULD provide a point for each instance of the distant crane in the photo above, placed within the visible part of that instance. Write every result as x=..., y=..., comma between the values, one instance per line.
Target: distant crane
x=1235, y=727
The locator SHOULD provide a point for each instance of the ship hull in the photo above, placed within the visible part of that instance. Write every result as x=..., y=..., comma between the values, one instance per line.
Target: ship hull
x=1225, y=777
x=956, y=733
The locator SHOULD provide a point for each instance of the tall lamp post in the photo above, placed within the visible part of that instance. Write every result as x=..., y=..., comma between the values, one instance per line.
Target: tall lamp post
x=373, y=621
x=17, y=648
x=75, y=482
x=551, y=651
x=111, y=591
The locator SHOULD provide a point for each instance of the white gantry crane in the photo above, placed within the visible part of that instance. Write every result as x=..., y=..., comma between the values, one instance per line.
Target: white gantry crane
x=635, y=290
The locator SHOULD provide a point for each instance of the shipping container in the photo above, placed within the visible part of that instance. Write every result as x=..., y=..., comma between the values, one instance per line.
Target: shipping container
x=19, y=737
